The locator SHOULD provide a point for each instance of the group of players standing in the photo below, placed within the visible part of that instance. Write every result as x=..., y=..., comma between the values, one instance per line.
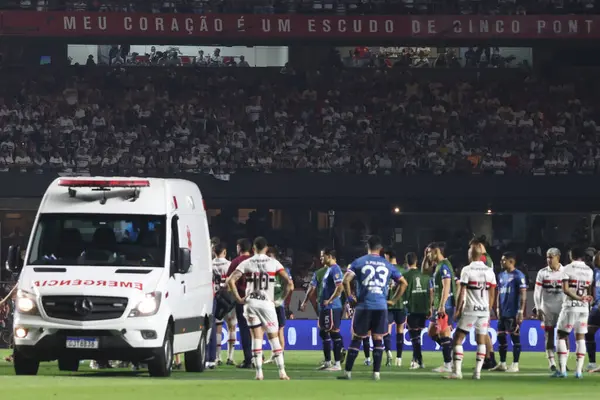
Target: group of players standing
x=381, y=293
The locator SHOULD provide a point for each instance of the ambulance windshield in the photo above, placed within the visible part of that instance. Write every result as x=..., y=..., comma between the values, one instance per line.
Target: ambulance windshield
x=99, y=239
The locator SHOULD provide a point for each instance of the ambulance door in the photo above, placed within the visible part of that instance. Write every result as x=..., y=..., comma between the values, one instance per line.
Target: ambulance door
x=176, y=287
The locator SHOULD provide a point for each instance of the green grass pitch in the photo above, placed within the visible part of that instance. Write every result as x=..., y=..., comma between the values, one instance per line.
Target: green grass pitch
x=532, y=383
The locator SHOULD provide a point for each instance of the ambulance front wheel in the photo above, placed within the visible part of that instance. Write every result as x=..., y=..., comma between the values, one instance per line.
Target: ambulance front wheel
x=24, y=365
x=161, y=364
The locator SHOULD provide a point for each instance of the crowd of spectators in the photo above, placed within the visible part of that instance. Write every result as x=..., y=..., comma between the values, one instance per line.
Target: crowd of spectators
x=223, y=121
x=315, y=6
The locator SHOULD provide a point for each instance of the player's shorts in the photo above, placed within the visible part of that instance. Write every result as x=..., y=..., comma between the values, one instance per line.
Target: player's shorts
x=508, y=325
x=416, y=321
x=550, y=320
x=481, y=324
x=261, y=315
x=449, y=313
x=594, y=318
x=231, y=318
x=375, y=321
x=330, y=320
x=573, y=321
x=280, y=310
x=397, y=317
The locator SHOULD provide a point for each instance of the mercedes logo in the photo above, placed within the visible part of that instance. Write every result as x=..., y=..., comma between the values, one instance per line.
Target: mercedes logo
x=83, y=306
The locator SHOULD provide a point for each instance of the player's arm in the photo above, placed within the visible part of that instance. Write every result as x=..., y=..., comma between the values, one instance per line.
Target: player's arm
x=401, y=286
x=286, y=281
x=339, y=288
x=492, y=291
x=522, y=299
x=460, y=303
x=431, y=296
x=446, y=285
x=571, y=293
x=311, y=288
x=537, y=294
x=231, y=281
x=348, y=278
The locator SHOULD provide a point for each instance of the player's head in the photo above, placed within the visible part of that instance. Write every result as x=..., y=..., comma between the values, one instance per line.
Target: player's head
x=590, y=252
x=475, y=252
x=214, y=241
x=243, y=246
x=220, y=250
x=597, y=260
x=508, y=261
x=553, y=257
x=437, y=251
x=577, y=253
x=428, y=251
x=389, y=254
x=260, y=245
x=328, y=257
x=410, y=259
x=374, y=244
x=476, y=241
x=272, y=252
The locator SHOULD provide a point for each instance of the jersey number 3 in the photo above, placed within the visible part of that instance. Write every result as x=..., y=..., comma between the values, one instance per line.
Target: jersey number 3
x=375, y=276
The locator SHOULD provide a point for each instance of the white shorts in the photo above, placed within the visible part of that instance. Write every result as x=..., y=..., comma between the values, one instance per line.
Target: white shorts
x=573, y=321
x=481, y=324
x=261, y=315
x=550, y=319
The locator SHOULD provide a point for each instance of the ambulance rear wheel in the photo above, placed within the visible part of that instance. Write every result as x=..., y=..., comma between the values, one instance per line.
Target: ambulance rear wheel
x=162, y=363
x=68, y=364
x=195, y=359
x=24, y=365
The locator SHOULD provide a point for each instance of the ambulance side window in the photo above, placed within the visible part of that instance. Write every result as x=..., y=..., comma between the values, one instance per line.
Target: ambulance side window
x=174, y=244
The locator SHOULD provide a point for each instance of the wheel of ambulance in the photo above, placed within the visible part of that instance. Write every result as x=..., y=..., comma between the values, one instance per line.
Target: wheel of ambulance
x=162, y=363
x=195, y=359
x=24, y=365
x=68, y=364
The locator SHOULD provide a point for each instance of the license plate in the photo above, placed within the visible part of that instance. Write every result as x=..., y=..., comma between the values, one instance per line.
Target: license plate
x=82, y=343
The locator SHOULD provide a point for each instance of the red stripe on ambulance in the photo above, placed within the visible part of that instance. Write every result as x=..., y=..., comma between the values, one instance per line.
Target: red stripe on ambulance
x=91, y=282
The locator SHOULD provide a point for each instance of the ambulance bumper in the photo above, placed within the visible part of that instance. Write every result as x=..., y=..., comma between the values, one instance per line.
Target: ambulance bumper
x=128, y=339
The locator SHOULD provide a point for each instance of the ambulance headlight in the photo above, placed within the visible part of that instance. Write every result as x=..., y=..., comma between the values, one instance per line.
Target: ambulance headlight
x=148, y=306
x=25, y=303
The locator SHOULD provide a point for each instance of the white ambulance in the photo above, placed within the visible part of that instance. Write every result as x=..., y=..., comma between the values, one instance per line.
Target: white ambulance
x=116, y=269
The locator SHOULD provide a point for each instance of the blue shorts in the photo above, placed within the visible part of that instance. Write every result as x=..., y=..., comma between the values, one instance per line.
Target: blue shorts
x=280, y=311
x=594, y=318
x=449, y=313
x=397, y=317
x=330, y=320
x=375, y=321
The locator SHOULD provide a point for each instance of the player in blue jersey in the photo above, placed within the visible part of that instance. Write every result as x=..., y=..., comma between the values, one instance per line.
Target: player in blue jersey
x=373, y=274
x=331, y=307
x=594, y=319
x=510, y=309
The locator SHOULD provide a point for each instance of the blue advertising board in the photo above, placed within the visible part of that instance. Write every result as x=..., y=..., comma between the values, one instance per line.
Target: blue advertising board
x=304, y=335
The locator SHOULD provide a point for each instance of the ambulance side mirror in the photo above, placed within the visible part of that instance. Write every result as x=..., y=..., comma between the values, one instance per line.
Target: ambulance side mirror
x=13, y=262
x=185, y=260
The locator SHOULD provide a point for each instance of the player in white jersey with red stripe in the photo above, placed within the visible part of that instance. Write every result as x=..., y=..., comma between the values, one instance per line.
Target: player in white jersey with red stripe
x=548, y=298
x=220, y=266
x=259, y=303
x=577, y=286
x=475, y=300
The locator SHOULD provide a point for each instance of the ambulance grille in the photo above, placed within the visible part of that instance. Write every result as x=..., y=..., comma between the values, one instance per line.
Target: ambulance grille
x=84, y=308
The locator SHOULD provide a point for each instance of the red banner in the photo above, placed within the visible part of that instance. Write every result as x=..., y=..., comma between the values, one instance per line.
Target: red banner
x=281, y=26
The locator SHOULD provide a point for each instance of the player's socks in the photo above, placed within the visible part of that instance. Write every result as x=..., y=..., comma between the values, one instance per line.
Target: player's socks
x=415, y=338
x=590, y=344
x=230, y=348
x=367, y=347
x=278, y=356
x=580, y=353
x=337, y=346
x=387, y=342
x=326, y=338
x=458, y=358
x=219, y=344
x=399, y=344
x=377, y=354
x=446, y=344
x=563, y=355
x=257, y=356
x=479, y=359
x=516, y=339
x=551, y=358
x=353, y=351
x=502, y=347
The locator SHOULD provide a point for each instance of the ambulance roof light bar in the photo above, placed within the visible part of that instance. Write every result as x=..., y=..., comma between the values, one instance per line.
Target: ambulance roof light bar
x=98, y=183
